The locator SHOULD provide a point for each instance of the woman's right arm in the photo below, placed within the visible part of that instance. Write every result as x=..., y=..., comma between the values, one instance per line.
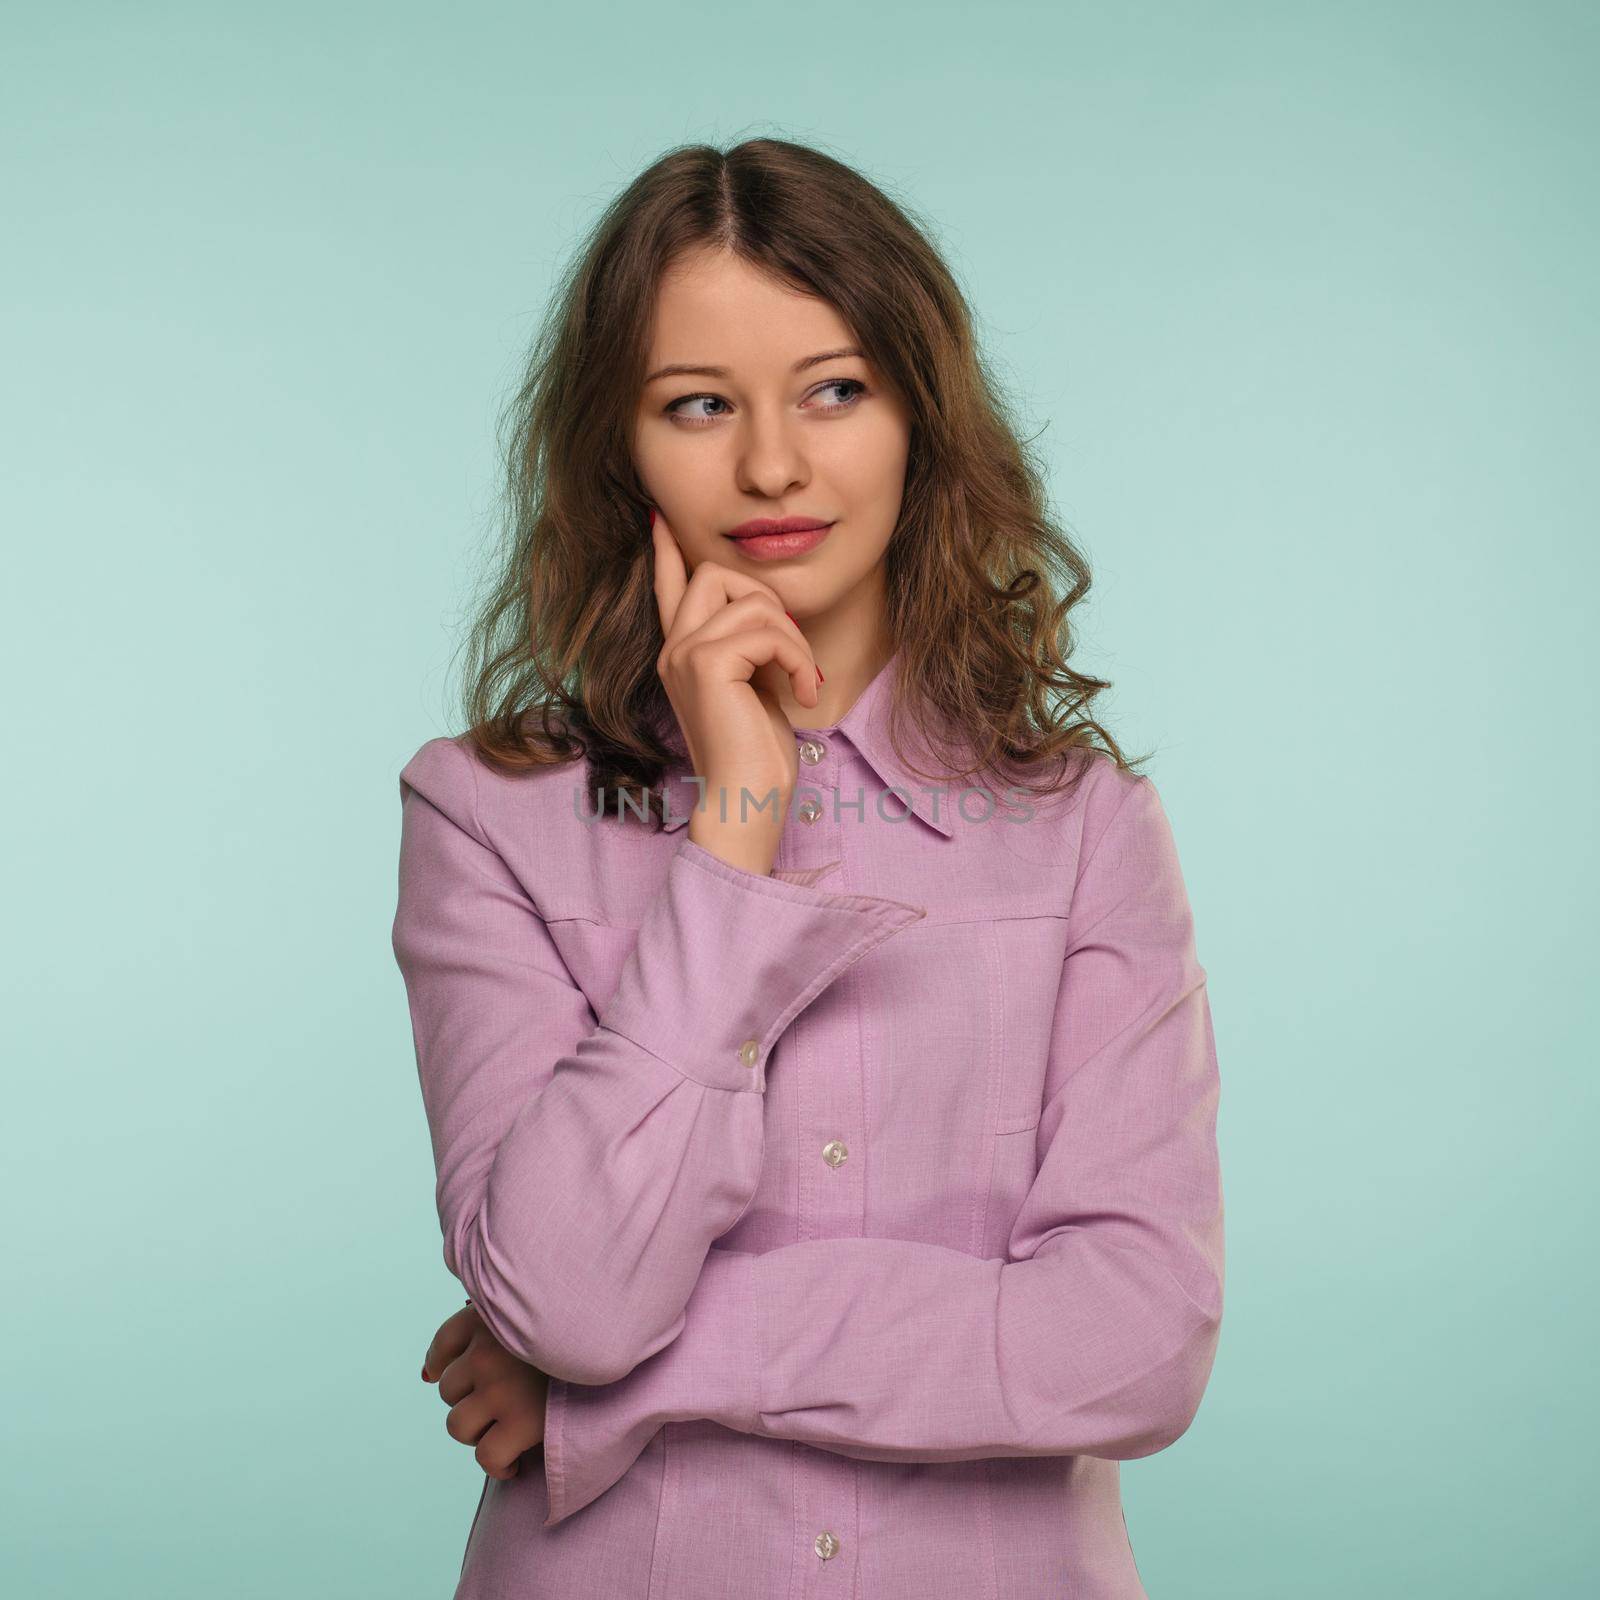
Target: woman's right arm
x=587, y=1157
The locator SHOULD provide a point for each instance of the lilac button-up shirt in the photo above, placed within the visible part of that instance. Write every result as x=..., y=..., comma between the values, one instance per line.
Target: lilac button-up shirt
x=865, y=1215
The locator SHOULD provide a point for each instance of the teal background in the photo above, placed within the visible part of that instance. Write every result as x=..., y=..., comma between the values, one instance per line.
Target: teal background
x=1302, y=298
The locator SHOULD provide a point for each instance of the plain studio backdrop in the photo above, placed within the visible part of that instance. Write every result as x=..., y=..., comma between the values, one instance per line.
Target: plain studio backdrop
x=1299, y=301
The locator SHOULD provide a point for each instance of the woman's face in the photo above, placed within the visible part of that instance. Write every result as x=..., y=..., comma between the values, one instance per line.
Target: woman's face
x=776, y=433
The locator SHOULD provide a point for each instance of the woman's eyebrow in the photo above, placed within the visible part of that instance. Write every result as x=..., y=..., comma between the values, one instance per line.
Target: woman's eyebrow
x=684, y=369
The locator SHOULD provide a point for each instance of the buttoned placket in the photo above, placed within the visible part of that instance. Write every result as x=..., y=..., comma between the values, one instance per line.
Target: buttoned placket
x=823, y=1101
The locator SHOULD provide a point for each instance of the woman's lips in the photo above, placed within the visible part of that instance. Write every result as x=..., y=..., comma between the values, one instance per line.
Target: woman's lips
x=779, y=546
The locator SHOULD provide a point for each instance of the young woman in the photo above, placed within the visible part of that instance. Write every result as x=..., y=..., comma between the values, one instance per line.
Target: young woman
x=820, y=1072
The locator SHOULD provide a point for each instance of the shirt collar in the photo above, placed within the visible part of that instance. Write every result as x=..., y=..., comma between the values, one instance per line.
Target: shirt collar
x=866, y=726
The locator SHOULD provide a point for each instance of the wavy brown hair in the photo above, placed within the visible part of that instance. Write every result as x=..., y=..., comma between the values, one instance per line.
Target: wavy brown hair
x=981, y=581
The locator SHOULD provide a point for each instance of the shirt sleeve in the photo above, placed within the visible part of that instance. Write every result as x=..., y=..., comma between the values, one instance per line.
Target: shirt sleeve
x=586, y=1158
x=1097, y=1332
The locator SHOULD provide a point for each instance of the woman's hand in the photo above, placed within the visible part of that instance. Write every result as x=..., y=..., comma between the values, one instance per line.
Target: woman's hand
x=496, y=1401
x=729, y=645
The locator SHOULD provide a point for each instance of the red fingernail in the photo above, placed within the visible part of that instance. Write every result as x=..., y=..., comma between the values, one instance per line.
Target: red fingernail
x=424, y=1373
x=652, y=512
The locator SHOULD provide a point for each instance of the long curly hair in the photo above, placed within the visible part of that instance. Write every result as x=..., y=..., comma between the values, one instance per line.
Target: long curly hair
x=981, y=581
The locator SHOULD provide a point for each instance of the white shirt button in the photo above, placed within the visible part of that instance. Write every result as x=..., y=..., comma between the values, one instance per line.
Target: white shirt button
x=809, y=811
x=750, y=1052
x=812, y=751
x=825, y=1545
x=834, y=1153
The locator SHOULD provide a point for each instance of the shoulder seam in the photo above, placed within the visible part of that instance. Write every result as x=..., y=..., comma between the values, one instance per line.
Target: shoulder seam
x=1122, y=805
x=477, y=815
x=472, y=772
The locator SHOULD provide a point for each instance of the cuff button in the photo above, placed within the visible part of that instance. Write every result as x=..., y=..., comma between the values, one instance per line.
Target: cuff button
x=750, y=1052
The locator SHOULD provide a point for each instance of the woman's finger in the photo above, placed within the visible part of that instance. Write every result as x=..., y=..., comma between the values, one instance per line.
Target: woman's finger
x=453, y=1337
x=710, y=587
x=738, y=656
x=687, y=601
x=671, y=573
x=456, y=1382
x=469, y=1419
x=755, y=613
x=502, y=1447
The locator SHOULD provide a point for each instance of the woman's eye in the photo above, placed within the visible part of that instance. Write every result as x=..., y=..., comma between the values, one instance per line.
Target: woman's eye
x=853, y=384
x=690, y=399
x=845, y=383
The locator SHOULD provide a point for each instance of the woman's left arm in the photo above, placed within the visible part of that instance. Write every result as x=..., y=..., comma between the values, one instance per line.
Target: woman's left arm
x=1094, y=1336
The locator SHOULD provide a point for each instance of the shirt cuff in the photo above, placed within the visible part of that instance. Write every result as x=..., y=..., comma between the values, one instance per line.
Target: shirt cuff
x=594, y=1433
x=726, y=959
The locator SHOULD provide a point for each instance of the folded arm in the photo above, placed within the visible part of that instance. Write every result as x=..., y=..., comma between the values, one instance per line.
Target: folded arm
x=587, y=1158
x=1095, y=1335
